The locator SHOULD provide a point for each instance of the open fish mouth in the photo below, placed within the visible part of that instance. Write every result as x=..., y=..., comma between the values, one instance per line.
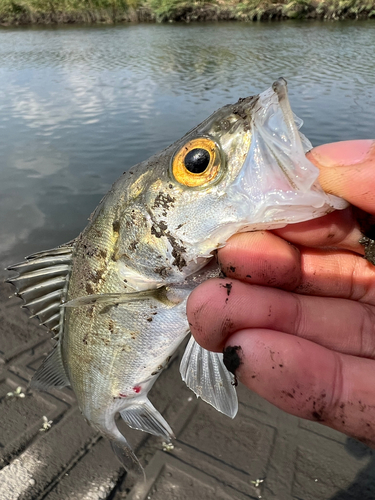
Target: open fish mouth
x=276, y=185
x=276, y=173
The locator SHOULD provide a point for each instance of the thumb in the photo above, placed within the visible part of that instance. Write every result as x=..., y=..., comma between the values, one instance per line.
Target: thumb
x=347, y=170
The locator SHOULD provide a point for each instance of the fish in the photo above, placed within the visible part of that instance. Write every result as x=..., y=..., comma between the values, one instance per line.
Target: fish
x=115, y=297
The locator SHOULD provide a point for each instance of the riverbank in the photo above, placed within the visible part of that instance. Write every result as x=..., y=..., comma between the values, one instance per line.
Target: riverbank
x=114, y=11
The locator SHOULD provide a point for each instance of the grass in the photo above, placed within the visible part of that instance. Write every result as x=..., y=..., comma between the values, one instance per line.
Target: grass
x=112, y=11
x=67, y=11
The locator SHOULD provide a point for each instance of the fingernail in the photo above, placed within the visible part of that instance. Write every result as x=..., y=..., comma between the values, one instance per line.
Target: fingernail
x=342, y=153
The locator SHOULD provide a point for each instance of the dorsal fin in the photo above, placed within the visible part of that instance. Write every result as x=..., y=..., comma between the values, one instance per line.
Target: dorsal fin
x=42, y=282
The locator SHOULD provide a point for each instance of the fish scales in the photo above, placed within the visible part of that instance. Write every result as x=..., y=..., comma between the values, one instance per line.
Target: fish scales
x=116, y=296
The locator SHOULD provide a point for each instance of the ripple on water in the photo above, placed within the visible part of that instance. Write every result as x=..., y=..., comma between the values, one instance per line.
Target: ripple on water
x=79, y=105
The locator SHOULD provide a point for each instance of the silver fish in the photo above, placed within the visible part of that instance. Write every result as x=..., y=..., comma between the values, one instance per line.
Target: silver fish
x=116, y=296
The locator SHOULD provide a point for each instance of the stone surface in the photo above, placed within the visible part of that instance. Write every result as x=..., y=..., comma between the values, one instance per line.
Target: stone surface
x=262, y=453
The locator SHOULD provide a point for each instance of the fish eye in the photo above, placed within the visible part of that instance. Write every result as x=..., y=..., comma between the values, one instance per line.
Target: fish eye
x=197, y=163
x=197, y=160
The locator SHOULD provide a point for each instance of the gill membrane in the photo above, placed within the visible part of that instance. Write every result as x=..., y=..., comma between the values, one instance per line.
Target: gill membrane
x=278, y=184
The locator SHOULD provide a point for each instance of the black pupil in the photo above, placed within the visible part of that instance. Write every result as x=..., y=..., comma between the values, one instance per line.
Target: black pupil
x=197, y=160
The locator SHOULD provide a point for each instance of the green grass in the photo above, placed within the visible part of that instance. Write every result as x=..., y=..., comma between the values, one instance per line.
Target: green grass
x=340, y=9
x=64, y=11
x=110, y=11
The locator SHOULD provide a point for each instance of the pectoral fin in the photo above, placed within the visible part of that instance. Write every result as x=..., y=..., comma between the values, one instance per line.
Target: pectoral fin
x=110, y=299
x=113, y=299
x=145, y=417
x=205, y=374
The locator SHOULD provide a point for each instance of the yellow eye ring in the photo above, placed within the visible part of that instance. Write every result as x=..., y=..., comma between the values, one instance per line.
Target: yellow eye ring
x=197, y=163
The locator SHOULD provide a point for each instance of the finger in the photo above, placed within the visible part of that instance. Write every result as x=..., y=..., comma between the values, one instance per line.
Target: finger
x=306, y=379
x=339, y=229
x=262, y=258
x=347, y=170
x=339, y=274
x=219, y=308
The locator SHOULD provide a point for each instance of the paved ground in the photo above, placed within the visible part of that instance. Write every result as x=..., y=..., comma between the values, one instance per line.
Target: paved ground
x=262, y=453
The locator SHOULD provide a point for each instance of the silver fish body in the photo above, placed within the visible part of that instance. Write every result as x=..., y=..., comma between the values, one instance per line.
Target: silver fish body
x=116, y=296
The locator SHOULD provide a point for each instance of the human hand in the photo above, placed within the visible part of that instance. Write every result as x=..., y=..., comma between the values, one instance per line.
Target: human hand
x=298, y=326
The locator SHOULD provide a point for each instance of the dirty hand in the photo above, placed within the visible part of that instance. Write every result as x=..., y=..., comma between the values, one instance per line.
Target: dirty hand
x=298, y=325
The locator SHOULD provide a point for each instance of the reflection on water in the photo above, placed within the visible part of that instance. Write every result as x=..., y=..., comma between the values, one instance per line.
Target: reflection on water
x=79, y=105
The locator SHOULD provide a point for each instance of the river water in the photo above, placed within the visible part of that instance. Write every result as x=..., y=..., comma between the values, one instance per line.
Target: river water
x=79, y=105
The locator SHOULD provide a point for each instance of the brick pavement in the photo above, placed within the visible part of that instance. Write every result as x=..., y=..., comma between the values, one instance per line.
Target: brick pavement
x=262, y=453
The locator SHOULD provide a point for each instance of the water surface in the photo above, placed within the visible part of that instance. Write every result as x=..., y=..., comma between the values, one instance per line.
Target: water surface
x=79, y=105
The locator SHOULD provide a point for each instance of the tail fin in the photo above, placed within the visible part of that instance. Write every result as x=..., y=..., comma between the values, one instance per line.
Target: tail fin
x=123, y=451
x=127, y=458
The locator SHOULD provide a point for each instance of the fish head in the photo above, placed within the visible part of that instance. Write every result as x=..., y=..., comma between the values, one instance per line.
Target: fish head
x=242, y=169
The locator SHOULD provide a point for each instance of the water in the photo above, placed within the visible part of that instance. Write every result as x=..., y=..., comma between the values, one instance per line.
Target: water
x=79, y=105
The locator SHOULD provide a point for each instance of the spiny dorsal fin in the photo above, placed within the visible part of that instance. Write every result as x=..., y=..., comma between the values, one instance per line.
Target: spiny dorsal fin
x=42, y=282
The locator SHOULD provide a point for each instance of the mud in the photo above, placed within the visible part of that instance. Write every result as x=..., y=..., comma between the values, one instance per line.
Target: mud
x=242, y=109
x=369, y=246
x=228, y=287
x=233, y=358
x=116, y=226
x=160, y=229
x=163, y=201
